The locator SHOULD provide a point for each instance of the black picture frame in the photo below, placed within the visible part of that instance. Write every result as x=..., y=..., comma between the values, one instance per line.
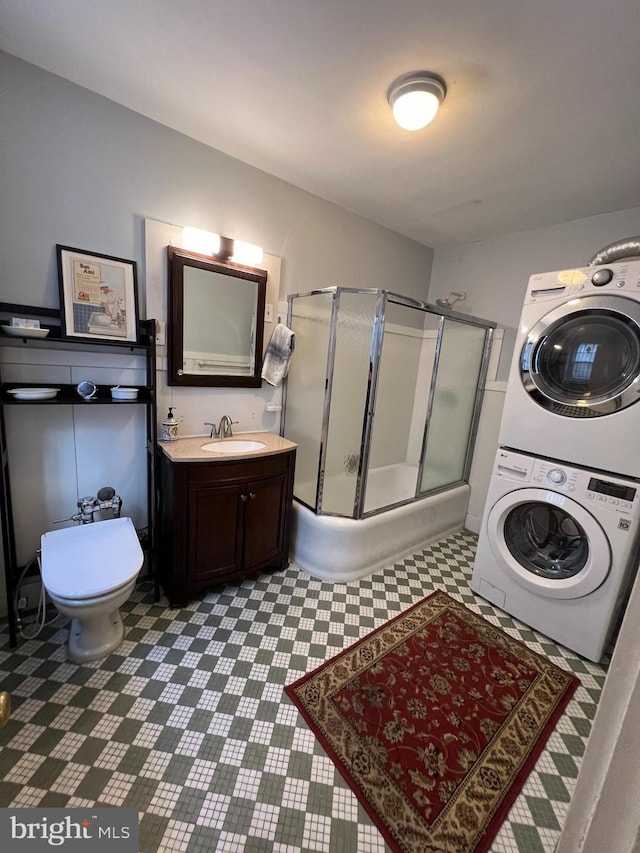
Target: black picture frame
x=98, y=296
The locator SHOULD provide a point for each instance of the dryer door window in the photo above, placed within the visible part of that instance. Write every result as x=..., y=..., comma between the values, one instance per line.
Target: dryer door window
x=550, y=544
x=546, y=540
x=583, y=360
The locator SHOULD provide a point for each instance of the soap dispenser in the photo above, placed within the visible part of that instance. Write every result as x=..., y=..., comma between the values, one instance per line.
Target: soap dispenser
x=170, y=427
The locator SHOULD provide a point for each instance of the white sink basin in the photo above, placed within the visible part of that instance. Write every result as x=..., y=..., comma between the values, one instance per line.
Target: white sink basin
x=233, y=445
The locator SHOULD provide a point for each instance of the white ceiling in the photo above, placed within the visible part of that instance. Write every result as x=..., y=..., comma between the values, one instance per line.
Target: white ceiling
x=541, y=123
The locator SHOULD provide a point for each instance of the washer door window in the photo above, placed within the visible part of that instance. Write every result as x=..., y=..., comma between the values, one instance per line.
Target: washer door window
x=583, y=358
x=550, y=543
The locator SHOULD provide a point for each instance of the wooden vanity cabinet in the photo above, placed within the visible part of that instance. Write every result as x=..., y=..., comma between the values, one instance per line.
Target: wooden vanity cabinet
x=220, y=521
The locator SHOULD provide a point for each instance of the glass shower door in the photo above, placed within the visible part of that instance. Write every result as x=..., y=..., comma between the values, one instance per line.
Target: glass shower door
x=403, y=382
x=310, y=320
x=449, y=430
x=349, y=390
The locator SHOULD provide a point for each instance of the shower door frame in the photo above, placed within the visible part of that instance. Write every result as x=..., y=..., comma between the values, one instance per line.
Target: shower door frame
x=375, y=353
x=489, y=327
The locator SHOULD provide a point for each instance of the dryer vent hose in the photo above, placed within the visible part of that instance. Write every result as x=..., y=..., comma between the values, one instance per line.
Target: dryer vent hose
x=627, y=248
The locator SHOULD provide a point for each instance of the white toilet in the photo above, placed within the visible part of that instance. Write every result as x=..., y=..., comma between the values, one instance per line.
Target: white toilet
x=89, y=571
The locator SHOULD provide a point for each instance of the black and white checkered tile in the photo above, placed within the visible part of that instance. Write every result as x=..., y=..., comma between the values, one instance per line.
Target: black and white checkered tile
x=188, y=722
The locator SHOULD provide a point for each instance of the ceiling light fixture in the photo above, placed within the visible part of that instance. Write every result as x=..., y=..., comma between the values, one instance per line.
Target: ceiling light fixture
x=415, y=98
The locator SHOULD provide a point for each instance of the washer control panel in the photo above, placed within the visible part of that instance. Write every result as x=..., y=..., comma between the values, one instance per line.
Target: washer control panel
x=620, y=277
x=602, y=491
x=552, y=474
x=617, y=494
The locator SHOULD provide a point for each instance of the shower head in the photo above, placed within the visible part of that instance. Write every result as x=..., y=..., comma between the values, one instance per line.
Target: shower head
x=451, y=299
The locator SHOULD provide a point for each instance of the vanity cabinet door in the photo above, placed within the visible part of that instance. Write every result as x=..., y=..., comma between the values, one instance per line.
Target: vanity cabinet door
x=215, y=533
x=265, y=520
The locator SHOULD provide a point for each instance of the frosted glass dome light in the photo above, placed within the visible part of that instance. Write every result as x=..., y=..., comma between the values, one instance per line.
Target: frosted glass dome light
x=415, y=99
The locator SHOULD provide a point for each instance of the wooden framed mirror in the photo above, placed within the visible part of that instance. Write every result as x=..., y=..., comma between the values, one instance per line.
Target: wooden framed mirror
x=216, y=321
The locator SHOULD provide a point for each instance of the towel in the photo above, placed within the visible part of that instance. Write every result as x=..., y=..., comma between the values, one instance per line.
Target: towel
x=278, y=355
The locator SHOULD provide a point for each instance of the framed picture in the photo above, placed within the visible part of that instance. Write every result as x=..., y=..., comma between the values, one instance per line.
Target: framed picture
x=98, y=296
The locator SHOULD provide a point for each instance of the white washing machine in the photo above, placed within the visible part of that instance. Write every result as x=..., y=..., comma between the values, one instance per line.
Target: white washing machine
x=558, y=548
x=574, y=387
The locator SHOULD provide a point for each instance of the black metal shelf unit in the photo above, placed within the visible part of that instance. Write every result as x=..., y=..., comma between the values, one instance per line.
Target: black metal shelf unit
x=67, y=395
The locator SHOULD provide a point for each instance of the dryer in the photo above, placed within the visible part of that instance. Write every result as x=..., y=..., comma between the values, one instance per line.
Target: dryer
x=558, y=548
x=574, y=385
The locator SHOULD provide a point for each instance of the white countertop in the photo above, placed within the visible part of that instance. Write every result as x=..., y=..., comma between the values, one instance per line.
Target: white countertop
x=189, y=449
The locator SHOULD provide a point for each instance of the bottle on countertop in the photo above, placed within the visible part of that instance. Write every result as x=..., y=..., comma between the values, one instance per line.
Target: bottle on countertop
x=170, y=427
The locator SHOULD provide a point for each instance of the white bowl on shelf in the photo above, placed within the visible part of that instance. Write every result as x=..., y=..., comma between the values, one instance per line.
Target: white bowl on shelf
x=33, y=393
x=20, y=332
x=120, y=393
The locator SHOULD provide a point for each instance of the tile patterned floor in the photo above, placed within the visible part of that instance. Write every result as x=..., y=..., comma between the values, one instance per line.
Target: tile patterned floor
x=189, y=724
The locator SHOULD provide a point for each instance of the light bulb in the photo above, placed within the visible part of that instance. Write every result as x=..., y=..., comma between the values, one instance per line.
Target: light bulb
x=197, y=240
x=415, y=110
x=246, y=253
x=415, y=99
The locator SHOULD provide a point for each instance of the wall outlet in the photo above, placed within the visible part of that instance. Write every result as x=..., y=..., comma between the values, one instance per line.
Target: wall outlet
x=161, y=333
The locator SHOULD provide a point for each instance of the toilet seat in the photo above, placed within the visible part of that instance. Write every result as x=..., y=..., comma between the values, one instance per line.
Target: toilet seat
x=90, y=560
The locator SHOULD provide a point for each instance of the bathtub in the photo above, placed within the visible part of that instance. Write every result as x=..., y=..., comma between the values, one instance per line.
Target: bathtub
x=343, y=549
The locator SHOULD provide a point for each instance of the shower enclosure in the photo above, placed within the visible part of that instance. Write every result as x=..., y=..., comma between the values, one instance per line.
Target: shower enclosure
x=382, y=399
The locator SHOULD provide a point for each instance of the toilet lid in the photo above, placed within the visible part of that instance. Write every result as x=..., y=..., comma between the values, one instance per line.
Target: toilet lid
x=90, y=560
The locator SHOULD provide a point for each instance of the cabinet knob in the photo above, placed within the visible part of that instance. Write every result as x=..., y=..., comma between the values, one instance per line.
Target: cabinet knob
x=244, y=498
x=252, y=496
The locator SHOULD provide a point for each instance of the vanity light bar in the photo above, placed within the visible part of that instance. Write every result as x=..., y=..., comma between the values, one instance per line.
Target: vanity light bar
x=207, y=243
x=197, y=240
x=246, y=253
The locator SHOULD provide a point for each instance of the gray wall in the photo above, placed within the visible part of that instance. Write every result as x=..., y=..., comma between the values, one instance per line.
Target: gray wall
x=494, y=273
x=80, y=170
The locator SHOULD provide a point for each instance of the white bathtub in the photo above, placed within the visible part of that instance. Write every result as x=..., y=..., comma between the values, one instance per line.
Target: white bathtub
x=343, y=549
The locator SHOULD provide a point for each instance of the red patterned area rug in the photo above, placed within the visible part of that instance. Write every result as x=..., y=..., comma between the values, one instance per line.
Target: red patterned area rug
x=435, y=720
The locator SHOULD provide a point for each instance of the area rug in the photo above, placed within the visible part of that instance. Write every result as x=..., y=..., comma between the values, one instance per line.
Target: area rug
x=435, y=720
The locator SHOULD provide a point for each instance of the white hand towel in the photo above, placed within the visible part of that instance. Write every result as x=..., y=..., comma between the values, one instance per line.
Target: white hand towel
x=278, y=355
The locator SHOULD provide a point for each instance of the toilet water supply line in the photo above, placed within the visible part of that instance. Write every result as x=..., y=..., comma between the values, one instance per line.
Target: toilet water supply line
x=41, y=614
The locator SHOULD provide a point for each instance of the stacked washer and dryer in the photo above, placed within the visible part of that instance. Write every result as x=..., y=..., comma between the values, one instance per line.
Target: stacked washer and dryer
x=558, y=547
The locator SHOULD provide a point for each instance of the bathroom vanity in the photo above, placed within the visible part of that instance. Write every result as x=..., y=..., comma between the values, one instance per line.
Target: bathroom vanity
x=222, y=515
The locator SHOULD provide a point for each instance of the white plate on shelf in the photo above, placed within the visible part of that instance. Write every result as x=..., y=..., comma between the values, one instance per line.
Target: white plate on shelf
x=33, y=393
x=18, y=332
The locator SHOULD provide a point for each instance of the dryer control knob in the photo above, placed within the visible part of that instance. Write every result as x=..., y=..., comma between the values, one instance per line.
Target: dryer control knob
x=601, y=277
x=557, y=476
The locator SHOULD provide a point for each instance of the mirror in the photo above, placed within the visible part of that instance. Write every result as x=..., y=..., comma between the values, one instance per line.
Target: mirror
x=216, y=316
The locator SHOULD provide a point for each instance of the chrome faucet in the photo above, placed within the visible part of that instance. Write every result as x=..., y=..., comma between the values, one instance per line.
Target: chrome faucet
x=224, y=430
